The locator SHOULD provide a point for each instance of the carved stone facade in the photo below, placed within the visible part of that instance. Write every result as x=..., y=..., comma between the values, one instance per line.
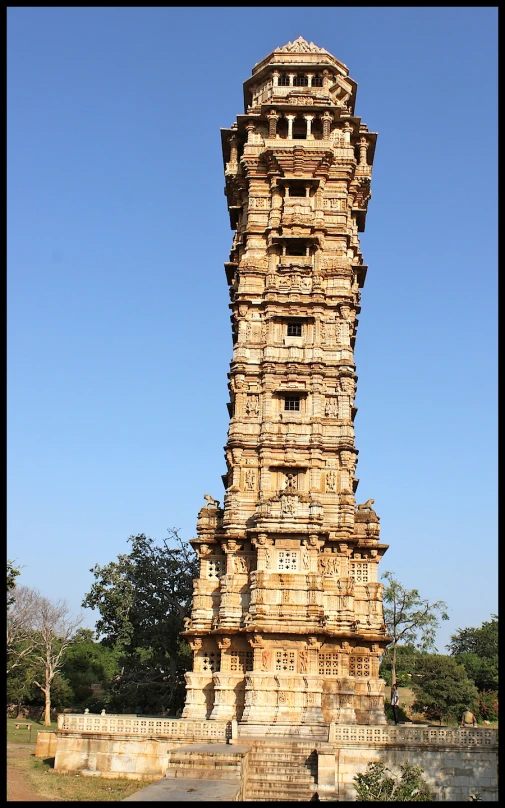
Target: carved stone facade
x=287, y=623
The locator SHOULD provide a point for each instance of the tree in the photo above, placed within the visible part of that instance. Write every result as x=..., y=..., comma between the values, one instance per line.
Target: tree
x=21, y=613
x=410, y=619
x=53, y=630
x=143, y=598
x=477, y=650
x=87, y=664
x=20, y=687
x=406, y=656
x=378, y=784
x=487, y=705
x=12, y=574
x=442, y=688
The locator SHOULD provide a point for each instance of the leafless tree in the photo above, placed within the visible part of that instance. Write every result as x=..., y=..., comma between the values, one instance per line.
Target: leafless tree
x=54, y=630
x=22, y=607
x=39, y=630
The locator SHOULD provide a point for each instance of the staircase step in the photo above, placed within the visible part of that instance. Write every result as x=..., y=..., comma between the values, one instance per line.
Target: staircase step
x=201, y=774
x=301, y=795
x=280, y=785
x=267, y=777
x=279, y=762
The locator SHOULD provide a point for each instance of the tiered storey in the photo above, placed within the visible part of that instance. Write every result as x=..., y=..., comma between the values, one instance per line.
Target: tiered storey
x=287, y=623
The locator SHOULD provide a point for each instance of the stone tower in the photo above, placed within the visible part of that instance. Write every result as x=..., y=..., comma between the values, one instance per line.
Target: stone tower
x=287, y=624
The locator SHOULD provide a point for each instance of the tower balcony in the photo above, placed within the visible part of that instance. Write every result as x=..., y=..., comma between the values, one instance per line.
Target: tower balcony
x=296, y=95
x=290, y=353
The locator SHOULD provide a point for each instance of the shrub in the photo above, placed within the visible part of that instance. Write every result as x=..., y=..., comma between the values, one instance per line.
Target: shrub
x=487, y=705
x=378, y=784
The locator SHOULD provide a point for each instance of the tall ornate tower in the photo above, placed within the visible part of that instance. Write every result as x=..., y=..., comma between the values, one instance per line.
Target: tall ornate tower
x=287, y=623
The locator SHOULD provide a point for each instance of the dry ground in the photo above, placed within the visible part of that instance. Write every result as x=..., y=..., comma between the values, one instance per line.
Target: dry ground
x=19, y=788
x=30, y=779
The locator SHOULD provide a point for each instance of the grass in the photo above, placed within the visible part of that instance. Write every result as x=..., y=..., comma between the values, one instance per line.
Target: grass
x=42, y=778
x=23, y=735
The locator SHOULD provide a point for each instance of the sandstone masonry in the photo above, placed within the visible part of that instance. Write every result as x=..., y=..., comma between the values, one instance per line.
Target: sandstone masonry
x=287, y=624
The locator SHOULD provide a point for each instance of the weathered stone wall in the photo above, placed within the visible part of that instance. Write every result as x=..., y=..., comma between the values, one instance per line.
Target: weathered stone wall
x=46, y=745
x=456, y=762
x=127, y=746
x=452, y=774
x=113, y=756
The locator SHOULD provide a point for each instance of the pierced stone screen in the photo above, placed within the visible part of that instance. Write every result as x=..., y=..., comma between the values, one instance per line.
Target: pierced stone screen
x=359, y=666
x=215, y=567
x=210, y=661
x=328, y=664
x=288, y=561
x=359, y=571
x=285, y=660
x=241, y=661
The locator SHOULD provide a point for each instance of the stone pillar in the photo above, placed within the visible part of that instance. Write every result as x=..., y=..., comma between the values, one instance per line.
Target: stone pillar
x=347, y=130
x=275, y=78
x=224, y=682
x=326, y=772
x=308, y=120
x=290, y=119
x=196, y=703
x=326, y=119
x=251, y=129
x=233, y=141
x=272, y=118
x=313, y=647
x=363, y=148
x=229, y=548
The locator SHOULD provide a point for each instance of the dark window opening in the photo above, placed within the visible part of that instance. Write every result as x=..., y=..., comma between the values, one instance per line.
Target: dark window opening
x=292, y=403
x=317, y=81
x=284, y=80
x=299, y=129
x=282, y=128
x=294, y=329
x=317, y=129
x=296, y=248
x=300, y=81
x=295, y=189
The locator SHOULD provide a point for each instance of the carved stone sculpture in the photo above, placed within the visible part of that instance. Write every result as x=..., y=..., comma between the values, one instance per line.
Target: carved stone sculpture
x=289, y=566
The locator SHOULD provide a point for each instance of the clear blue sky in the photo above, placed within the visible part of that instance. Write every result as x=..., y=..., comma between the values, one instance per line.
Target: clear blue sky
x=119, y=338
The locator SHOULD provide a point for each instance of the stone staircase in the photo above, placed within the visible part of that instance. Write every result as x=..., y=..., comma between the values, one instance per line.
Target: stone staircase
x=211, y=761
x=281, y=770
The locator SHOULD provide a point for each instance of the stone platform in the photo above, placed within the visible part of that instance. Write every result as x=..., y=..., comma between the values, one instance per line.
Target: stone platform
x=187, y=790
x=227, y=765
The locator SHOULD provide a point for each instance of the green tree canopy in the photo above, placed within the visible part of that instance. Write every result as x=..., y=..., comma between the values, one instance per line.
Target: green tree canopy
x=442, y=688
x=406, y=658
x=88, y=664
x=477, y=650
x=143, y=598
x=410, y=619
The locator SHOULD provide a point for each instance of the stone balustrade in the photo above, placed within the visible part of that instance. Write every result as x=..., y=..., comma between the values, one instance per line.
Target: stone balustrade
x=184, y=729
x=421, y=734
x=171, y=728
